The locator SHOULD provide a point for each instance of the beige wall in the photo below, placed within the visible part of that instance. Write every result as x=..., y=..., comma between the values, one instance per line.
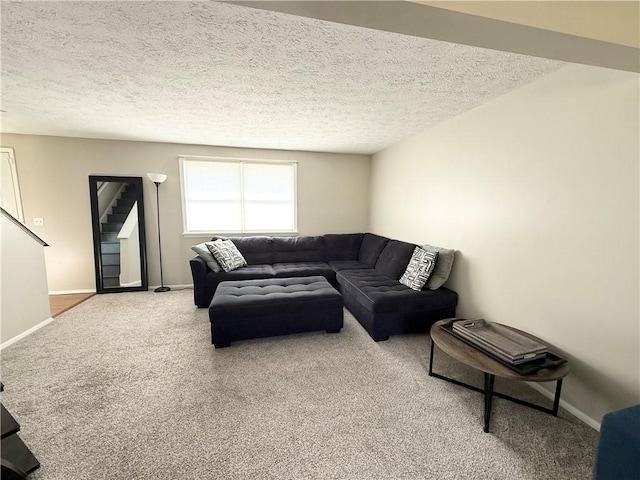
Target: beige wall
x=610, y=20
x=333, y=196
x=24, y=296
x=538, y=190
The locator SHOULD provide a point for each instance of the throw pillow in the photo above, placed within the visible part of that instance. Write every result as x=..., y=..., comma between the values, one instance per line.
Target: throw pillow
x=419, y=269
x=202, y=251
x=443, y=266
x=227, y=255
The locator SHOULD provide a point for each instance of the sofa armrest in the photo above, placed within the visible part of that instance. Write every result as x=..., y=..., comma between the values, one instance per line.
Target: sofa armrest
x=199, y=269
x=198, y=266
x=618, y=444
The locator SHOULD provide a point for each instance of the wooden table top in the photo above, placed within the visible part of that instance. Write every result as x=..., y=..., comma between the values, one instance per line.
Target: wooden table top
x=475, y=358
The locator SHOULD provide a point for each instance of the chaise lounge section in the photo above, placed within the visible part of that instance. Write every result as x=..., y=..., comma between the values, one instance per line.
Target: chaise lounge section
x=364, y=268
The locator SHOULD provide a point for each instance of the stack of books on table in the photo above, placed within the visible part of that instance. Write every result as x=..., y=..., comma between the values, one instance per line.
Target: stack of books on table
x=506, y=344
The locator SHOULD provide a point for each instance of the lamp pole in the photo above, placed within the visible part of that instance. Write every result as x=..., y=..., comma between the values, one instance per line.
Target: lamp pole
x=158, y=178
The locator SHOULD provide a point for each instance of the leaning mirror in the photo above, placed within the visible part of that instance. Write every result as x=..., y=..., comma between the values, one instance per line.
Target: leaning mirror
x=117, y=216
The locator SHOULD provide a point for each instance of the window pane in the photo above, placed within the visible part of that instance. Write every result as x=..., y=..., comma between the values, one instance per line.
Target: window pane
x=227, y=196
x=268, y=196
x=268, y=182
x=213, y=181
x=214, y=216
x=213, y=196
x=271, y=216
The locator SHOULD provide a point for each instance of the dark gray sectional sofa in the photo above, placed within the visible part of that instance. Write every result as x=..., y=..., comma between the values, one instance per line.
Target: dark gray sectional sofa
x=365, y=268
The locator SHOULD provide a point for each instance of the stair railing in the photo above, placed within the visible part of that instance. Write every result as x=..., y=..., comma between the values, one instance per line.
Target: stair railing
x=24, y=228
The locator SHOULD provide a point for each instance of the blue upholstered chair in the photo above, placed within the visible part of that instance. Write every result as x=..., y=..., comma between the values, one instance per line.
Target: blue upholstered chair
x=618, y=455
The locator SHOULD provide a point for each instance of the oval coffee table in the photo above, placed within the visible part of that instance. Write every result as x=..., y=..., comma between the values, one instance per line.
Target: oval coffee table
x=475, y=358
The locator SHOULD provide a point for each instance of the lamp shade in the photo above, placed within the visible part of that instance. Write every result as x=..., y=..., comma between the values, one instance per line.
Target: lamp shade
x=157, y=177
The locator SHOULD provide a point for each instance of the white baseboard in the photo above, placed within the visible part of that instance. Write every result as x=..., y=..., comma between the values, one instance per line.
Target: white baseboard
x=579, y=414
x=69, y=292
x=13, y=340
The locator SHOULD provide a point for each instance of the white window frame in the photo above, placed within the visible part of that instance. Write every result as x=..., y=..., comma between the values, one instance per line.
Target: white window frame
x=183, y=191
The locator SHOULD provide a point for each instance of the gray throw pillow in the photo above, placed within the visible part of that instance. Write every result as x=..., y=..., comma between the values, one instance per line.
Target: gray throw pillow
x=227, y=254
x=419, y=268
x=202, y=251
x=443, y=266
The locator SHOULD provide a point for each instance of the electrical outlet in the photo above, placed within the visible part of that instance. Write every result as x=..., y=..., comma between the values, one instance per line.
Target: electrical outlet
x=38, y=222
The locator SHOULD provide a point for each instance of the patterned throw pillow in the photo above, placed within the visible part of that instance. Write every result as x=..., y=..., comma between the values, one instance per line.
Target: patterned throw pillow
x=419, y=269
x=226, y=254
x=202, y=250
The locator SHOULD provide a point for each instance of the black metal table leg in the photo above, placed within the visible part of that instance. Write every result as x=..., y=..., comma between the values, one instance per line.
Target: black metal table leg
x=556, y=399
x=489, y=393
x=433, y=346
x=489, y=380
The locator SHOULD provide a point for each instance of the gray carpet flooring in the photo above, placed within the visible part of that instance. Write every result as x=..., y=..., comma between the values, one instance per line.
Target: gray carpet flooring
x=129, y=386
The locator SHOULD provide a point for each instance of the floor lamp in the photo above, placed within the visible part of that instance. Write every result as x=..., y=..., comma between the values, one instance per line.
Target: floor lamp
x=158, y=178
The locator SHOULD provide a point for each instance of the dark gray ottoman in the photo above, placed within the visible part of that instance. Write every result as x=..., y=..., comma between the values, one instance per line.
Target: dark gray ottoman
x=275, y=306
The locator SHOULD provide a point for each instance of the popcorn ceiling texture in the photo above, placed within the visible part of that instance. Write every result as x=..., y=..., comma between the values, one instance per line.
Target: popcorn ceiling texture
x=220, y=74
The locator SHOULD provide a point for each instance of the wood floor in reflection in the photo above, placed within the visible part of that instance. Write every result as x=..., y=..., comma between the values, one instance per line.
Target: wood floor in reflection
x=61, y=303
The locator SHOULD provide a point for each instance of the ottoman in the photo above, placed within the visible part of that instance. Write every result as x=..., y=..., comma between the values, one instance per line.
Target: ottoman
x=247, y=309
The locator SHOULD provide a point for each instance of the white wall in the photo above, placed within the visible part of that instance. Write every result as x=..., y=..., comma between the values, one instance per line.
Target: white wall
x=130, y=250
x=24, y=296
x=333, y=197
x=538, y=190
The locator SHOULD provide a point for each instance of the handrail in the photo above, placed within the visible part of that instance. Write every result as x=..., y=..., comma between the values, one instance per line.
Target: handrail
x=26, y=229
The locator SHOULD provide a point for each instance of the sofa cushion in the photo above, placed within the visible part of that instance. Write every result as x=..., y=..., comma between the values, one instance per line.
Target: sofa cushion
x=247, y=272
x=381, y=294
x=338, y=265
x=203, y=251
x=305, y=269
x=255, y=250
x=226, y=254
x=419, y=269
x=342, y=247
x=443, y=266
x=394, y=258
x=298, y=249
x=370, y=249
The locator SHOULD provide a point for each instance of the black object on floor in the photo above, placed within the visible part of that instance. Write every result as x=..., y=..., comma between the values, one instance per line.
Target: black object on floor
x=17, y=459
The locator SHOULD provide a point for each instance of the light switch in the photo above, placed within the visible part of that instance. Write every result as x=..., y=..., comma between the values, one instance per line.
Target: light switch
x=38, y=222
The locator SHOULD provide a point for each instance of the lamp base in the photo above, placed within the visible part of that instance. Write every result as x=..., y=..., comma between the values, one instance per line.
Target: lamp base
x=162, y=289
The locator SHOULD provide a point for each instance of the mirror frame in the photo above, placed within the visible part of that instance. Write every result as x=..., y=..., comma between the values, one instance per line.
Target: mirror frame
x=94, y=180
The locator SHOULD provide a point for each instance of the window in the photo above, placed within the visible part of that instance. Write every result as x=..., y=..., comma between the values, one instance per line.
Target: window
x=238, y=196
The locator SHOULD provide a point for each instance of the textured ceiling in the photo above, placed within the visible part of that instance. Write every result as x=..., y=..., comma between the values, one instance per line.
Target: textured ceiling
x=220, y=74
